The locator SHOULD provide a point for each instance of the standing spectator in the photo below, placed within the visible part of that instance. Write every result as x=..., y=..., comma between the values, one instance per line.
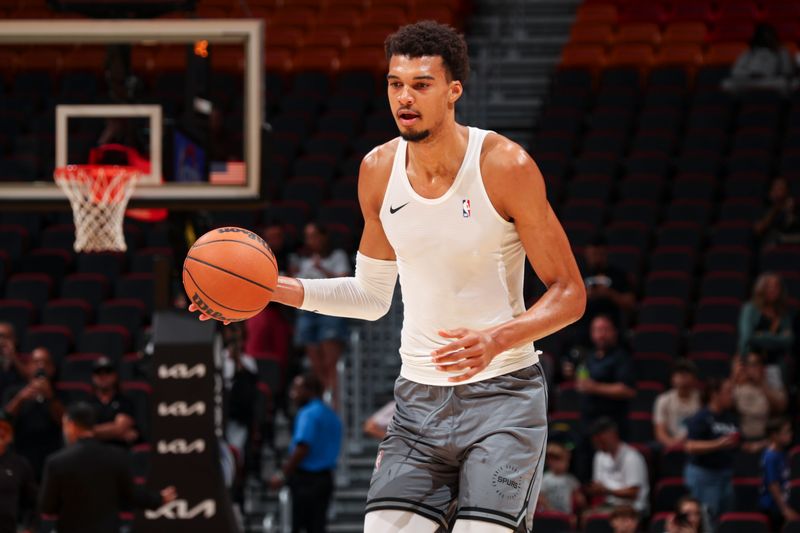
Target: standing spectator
x=561, y=491
x=619, y=473
x=608, y=289
x=88, y=483
x=754, y=398
x=765, y=326
x=17, y=486
x=781, y=221
x=624, y=519
x=765, y=65
x=12, y=368
x=673, y=407
x=313, y=454
x=240, y=374
x=688, y=517
x=114, y=412
x=606, y=379
x=323, y=336
x=711, y=441
x=775, y=471
x=36, y=411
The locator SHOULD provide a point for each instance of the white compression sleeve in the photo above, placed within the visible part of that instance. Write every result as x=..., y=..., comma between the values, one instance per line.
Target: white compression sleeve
x=367, y=295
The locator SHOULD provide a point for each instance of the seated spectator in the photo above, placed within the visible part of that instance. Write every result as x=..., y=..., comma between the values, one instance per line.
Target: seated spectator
x=114, y=412
x=12, y=369
x=606, y=379
x=608, y=289
x=775, y=473
x=765, y=326
x=710, y=443
x=322, y=336
x=36, y=411
x=240, y=375
x=18, y=503
x=624, y=519
x=560, y=491
x=275, y=237
x=619, y=472
x=377, y=424
x=780, y=224
x=673, y=407
x=688, y=517
x=765, y=65
x=754, y=398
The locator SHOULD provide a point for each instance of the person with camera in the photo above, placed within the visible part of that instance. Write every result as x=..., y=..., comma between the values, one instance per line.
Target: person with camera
x=36, y=411
x=688, y=517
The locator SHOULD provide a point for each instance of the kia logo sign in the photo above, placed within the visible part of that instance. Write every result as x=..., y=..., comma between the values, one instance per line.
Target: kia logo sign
x=181, y=446
x=179, y=510
x=181, y=409
x=181, y=371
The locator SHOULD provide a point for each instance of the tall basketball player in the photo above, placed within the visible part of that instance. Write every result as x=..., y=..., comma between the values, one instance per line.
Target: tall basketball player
x=455, y=210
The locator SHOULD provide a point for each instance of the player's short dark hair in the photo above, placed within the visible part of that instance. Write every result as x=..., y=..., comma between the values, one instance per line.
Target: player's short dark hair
x=684, y=366
x=82, y=415
x=312, y=384
x=776, y=424
x=430, y=38
x=601, y=425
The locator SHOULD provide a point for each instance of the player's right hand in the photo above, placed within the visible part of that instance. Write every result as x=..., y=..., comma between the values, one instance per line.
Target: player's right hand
x=193, y=307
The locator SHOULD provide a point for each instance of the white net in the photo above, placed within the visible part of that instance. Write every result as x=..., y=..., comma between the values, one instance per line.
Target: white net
x=98, y=196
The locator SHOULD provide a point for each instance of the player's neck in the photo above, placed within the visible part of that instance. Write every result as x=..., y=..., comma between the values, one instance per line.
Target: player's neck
x=441, y=154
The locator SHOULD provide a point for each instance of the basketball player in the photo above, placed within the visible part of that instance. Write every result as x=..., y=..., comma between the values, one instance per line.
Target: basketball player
x=455, y=210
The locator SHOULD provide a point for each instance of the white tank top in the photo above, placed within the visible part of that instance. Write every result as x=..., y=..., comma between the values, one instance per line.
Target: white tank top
x=460, y=263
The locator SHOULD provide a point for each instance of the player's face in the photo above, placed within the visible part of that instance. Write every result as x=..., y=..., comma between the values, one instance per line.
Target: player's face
x=420, y=95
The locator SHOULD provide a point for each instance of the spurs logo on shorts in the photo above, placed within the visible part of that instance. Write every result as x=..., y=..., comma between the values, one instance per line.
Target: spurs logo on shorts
x=507, y=482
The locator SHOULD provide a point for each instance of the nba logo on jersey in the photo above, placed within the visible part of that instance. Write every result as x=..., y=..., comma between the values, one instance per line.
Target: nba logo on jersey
x=466, y=210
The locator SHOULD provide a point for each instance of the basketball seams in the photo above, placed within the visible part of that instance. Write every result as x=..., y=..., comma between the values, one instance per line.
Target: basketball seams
x=234, y=274
x=270, y=256
x=197, y=286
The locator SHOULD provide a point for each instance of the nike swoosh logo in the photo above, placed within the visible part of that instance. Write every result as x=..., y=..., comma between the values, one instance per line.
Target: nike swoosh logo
x=393, y=210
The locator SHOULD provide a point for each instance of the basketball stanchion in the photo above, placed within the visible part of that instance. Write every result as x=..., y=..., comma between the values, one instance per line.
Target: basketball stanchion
x=98, y=195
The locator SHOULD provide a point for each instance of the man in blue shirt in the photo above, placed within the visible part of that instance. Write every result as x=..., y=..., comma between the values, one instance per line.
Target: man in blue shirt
x=776, y=474
x=313, y=454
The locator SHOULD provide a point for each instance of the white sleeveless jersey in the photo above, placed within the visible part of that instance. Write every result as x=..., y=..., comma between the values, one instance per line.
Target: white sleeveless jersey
x=460, y=265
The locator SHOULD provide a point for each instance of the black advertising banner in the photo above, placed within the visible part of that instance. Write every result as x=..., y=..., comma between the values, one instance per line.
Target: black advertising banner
x=186, y=421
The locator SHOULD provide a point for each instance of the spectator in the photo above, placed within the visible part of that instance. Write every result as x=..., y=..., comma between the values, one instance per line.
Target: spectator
x=17, y=485
x=314, y=451
x=36, y=411
x=275, y=237
x=773, y=500
x=608, y=289
x=12, y=368
x=711, y=441
x=89, y=483
x=765, y=65
x=606, y=379
x=561, y=491
x=780, y=223
x=240, y=374
x=765, y=326
x=624, y=519
x=377, y=424
x=673, y=407
x=754, y=397
x=114, y=412
x=323, y=336
x=688, y=517
x=619, y=472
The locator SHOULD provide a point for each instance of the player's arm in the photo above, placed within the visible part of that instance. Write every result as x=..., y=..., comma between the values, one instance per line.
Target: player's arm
x=375, y=258
x=517, y=190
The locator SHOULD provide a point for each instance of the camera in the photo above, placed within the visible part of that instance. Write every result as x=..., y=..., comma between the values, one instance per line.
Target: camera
x=40, y=374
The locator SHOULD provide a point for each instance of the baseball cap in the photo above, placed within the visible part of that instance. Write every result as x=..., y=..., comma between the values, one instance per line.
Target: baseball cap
x=103, y=363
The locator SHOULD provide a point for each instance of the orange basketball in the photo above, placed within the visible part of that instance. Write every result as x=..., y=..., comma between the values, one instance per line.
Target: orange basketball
x=230, y=274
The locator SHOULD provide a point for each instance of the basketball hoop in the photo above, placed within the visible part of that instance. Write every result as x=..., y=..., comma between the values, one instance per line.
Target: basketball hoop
x=98, y=195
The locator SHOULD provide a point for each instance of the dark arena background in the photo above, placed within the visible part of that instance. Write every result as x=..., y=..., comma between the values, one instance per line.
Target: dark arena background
x=668, y=134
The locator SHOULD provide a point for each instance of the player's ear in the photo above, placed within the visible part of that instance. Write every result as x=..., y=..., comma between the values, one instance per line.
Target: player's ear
x=456, y=90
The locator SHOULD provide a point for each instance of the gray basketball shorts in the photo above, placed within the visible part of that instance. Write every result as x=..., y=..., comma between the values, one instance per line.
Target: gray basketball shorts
x=469, y=452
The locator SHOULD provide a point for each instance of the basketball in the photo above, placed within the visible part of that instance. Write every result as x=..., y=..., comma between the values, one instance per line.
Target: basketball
x=230, y=274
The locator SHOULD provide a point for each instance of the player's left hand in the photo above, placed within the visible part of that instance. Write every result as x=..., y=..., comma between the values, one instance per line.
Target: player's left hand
x=471, y=350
